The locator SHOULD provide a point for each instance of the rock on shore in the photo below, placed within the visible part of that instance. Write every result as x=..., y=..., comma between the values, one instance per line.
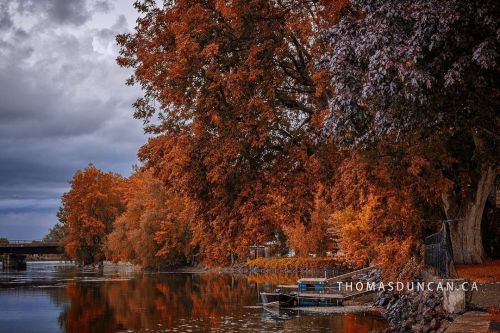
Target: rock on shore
x=418, y=312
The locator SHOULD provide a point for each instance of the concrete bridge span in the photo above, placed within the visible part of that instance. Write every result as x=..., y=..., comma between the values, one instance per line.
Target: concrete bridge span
x=14, y=251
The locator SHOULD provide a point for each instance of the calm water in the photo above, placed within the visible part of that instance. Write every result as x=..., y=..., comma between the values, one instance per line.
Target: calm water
x=66, y=299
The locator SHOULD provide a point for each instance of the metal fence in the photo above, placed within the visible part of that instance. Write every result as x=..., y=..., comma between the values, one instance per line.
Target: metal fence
x=438, y=253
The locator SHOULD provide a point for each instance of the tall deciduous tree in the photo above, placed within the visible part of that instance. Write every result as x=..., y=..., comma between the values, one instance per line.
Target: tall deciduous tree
x=88, y=212
x=238, y=103
x=420, y=70
x=154, y=230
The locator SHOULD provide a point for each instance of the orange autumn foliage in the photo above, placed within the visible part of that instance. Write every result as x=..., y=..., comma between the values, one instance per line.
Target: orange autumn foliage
x=274, y=278
x=367, y=238
x=154, y=230
x=315, y=237
x=240, y=150
x=302, y=263
x=235, y=101
x=379, y=204
x=88, y=212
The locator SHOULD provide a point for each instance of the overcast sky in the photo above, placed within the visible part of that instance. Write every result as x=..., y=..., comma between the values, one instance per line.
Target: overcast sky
x=63, y=104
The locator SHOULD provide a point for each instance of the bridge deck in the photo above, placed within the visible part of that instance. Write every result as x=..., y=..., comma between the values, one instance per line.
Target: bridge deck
x=31, y=247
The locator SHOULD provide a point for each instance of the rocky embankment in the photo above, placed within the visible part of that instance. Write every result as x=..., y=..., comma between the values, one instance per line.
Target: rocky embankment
x=418, y=312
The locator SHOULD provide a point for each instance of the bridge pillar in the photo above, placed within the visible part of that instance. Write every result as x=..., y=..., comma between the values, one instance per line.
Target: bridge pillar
x=14, y=261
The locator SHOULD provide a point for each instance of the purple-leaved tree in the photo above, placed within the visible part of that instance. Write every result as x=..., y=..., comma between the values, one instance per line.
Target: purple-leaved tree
x=431, y=68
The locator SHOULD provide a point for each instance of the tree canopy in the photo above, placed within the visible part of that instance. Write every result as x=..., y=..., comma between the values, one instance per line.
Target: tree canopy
x=154, y=230
x=238, y=101
x=88, y=212
x=327, y=121
x=399, y=67
x=423, y=75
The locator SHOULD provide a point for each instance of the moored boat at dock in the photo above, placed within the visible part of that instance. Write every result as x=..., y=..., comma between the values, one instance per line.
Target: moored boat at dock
x=278, y=299
x=316, y=291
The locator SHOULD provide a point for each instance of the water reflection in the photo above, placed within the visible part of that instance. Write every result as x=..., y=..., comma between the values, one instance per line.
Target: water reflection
x=160, y=303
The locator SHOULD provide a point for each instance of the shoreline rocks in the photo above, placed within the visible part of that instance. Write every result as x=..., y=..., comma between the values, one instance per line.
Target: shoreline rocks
x=416, y=312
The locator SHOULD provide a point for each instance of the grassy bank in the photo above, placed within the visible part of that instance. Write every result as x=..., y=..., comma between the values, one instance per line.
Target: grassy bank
x=297, y=263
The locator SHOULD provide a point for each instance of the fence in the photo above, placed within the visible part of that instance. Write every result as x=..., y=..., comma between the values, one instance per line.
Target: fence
x=438, y=252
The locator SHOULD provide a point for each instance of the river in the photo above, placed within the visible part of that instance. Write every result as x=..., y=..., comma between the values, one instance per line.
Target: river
x=59, y=297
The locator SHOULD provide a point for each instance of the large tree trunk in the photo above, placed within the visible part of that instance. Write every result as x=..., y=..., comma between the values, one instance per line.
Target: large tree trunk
x=465, y=230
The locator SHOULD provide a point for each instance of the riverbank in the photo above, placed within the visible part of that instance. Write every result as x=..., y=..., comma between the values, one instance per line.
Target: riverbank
x=282, y=265
x=337, y=263
x=435, y=311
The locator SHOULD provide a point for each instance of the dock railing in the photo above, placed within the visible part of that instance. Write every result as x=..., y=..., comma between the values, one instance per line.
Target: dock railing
x=342, y=286
x=345, y=276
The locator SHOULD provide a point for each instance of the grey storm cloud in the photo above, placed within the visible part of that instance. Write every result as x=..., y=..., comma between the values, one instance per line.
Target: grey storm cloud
x=63, y=104
x=59, y=12
x=5, y=21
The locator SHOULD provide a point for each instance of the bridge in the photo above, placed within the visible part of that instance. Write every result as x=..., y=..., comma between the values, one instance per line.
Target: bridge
x=14, y=251
x=31, y=247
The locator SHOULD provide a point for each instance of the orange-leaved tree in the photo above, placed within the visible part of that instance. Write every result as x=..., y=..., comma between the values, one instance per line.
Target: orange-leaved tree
x=239, y=103
x=382, y=201
x=88, y=212
x=154, y=230
x=316, y=236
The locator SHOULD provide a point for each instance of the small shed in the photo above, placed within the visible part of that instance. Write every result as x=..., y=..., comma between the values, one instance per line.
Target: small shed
x=265, y=250
x=258, y=251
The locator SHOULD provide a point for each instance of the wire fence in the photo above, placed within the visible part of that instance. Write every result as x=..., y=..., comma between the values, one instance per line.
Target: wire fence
x=438, y=253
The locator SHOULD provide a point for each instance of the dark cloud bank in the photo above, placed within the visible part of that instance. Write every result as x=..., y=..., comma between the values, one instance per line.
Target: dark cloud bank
x=63, y=104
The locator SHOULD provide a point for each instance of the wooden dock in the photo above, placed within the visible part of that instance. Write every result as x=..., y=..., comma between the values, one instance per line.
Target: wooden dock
x=325, y=296
x=330, y=290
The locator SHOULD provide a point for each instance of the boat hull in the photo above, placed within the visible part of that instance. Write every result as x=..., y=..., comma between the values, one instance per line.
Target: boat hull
x=278, y=299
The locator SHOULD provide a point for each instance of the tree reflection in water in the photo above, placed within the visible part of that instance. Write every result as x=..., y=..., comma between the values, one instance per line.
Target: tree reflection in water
x=185, y=302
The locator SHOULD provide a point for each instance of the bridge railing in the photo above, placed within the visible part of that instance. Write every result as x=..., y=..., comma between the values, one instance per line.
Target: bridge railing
x=21, y=242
